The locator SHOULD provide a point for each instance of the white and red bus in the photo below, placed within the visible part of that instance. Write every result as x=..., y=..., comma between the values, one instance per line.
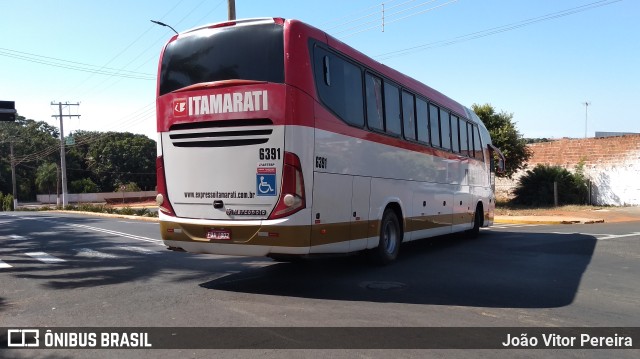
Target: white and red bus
x=276, y=139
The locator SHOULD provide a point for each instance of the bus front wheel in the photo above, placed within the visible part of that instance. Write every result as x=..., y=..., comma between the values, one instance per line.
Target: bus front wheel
x=390, y=239
x=477, y=222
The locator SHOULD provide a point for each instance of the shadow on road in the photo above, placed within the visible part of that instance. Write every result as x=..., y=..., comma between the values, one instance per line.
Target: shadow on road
x=96, y=259
x=499, y=269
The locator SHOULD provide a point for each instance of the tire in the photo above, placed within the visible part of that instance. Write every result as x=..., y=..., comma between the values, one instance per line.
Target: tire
x=390, y=239
x=477, y=223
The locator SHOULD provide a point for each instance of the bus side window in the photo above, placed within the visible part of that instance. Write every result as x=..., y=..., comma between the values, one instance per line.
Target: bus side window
x=339, y=84
x=464, y=143
x=470, y=136
x=455, y=141
x=373, y=86
x=422, y=116
x=392, y=109
x=477, y=145
x=408, y=115
x=445, y=130
x=434, y=125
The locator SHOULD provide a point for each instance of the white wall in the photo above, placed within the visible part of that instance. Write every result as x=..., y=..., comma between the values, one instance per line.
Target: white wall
x=93, y=197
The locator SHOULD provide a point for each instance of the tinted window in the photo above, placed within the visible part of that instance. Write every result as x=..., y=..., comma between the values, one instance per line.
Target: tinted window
x=392, y=109
x=373, y=85
x=477, y=145
x=464, y=144
x=339, y=84
x=244, y=52
x=422, y=117
x=470, y=137
x=408, y=115
x=434, y=125
x=445, y=134
x=455, y=145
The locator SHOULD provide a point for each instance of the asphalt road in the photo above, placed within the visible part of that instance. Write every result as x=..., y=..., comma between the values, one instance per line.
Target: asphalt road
x=66, y=270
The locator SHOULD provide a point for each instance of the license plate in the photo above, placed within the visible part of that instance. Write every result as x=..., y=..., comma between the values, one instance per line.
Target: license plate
x=219, y=234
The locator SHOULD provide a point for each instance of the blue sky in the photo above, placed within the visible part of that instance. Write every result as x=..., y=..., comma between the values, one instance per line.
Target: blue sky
x=541, y=70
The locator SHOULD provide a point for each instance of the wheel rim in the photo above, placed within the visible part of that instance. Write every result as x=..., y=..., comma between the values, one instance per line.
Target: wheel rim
x=389, y=237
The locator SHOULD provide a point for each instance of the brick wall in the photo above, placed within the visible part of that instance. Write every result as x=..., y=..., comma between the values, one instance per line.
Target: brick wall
x=612, y=164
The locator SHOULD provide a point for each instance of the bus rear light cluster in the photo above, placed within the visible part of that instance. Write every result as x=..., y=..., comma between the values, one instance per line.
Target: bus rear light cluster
x=292, y=198
x=162, y=199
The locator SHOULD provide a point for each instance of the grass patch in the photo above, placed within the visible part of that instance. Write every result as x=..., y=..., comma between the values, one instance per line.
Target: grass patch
x=98, y=208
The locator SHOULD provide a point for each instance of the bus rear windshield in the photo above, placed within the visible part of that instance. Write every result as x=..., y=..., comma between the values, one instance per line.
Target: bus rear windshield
x=253, y=52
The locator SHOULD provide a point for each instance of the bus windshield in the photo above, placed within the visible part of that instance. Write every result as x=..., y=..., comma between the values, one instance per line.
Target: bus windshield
x=225, y=53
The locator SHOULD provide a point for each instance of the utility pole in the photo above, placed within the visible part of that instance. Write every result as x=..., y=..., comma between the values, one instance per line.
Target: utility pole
x=231, y=4
x=63, y=165
x=586, y=107
x=13, y=176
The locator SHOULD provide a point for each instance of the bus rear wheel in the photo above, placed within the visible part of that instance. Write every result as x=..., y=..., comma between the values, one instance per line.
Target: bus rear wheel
x=477, y=223
x=390, y=239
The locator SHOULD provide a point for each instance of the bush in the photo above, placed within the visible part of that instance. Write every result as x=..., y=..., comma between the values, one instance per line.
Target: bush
x=535, y=187
x=85, y=185
x=7, y=202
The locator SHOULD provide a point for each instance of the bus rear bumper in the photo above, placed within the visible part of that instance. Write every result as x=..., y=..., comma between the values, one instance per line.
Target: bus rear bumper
x=231, y=249
x=245, y=238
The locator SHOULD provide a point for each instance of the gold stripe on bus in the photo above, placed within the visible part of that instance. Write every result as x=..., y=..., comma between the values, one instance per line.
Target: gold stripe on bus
x=305, y=235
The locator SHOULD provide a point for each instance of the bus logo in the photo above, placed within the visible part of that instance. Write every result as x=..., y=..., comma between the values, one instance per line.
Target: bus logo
x=266, y=181
x=180, y=107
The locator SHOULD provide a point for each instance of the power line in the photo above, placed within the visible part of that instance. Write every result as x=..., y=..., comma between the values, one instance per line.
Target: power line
x=73, y=65
x=369, y=14
x=404, y=17
x=495, y=30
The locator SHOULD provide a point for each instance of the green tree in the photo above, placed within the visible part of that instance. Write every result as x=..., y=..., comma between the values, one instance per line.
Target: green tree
x=47, y=177
x=34, y=142
x=505, y=136
x=84, y=185
x=115, y=158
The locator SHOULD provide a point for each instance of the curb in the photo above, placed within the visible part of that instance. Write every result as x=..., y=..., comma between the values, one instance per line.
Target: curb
x=110, y=215
x=559, y=221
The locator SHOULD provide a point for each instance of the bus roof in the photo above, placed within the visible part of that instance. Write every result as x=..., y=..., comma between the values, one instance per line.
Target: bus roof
x=319, y=35
x=406, y=81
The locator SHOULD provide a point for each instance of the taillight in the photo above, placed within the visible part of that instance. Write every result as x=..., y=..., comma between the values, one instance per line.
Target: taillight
x=222, y=24
x=291, y=198
x=162, y=198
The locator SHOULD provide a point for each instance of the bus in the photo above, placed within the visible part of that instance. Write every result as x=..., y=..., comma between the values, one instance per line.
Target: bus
x=278, y=140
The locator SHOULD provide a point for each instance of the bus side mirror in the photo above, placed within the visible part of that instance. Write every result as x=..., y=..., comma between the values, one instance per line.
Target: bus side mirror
x=500, y=168
x=495, y=153
x=7, y=111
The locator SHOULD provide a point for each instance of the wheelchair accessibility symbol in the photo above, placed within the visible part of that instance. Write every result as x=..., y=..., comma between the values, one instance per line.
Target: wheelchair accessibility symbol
x=266, y=182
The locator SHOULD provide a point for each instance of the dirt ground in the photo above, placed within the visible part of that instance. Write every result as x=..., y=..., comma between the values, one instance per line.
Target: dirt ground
x=609, y=214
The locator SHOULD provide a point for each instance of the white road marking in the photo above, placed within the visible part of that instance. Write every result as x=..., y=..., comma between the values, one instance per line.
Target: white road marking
x=139, y=250
x=87, y=252
x=45, y=257
x=121, y=234
x=614, y=236
x=601, y=236
x=513, y=225
x=5, y=265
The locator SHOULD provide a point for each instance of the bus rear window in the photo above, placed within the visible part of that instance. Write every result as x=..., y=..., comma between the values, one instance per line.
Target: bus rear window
x=253, y=52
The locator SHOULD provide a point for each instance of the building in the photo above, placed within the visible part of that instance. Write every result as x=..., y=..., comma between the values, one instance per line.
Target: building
x=612, y=165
